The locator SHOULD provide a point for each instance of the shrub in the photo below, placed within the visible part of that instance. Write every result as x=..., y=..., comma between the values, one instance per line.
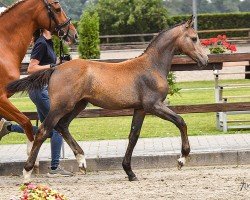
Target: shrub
x=88, y=29
x=173, y=88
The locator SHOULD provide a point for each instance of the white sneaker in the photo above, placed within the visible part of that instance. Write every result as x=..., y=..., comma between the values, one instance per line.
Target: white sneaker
x=59, y=172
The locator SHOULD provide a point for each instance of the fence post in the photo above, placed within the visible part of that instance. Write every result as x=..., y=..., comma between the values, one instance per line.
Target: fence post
x=247, y=69
x=218, y=97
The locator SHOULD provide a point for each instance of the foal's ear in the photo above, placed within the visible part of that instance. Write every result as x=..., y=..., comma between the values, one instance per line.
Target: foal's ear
x=190, y=22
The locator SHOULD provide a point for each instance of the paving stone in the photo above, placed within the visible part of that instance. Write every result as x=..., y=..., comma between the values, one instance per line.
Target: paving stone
x=144, y=147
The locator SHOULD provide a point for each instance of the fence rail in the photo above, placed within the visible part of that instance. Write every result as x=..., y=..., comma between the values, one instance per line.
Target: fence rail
x=154, y=34
x=109, y=37
x=179, y=109
x=184, y=63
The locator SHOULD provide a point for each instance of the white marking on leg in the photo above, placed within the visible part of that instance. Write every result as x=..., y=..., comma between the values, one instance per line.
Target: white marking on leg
x=81, y=160
x=27, y=176
x=182, y=160
x=37, y=162
x=29, y=147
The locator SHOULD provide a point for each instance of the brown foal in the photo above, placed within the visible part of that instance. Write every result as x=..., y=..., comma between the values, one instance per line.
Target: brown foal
x=139, y=83
x=18, y=23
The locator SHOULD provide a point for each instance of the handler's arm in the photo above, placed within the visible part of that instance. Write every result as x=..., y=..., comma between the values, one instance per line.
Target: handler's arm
x=34, y=66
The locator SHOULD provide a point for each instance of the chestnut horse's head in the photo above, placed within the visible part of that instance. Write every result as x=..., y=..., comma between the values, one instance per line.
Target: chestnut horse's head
x=57, y=21
x=188, y=42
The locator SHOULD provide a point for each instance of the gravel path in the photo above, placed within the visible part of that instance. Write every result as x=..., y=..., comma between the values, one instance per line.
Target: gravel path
x=211, y=183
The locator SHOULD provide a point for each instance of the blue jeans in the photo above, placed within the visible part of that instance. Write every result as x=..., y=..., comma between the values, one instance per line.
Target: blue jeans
x=41, y=99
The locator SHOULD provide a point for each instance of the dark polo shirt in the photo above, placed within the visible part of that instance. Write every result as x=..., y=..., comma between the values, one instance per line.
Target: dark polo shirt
x=43, y=51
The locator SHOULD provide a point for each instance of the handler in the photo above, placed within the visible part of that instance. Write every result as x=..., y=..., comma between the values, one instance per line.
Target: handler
x=42, y=57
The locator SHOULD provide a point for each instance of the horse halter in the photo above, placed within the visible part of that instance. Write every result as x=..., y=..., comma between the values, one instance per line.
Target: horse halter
x=58, y=27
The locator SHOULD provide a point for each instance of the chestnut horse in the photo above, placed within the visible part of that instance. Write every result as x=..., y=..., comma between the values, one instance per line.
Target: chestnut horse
x=18, y=23
x=139, y=83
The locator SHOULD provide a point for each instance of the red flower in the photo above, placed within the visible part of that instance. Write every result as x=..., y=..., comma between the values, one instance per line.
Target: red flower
x=205, y=42
x=31, y=186
x=222, y=37
x=233, y=48
x=225, y=44
x=214, y=40
x=220, y=42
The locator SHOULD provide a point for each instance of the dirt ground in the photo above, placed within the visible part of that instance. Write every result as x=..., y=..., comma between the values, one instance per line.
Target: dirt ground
x=191, y=183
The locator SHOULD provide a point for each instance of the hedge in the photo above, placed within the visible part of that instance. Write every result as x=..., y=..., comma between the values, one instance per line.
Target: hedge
x=213, y=22
x=218, y=21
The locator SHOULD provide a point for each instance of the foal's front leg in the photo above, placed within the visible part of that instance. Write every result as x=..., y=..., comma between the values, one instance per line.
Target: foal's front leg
x=77, y=150
x=63, y=127
x=161, y=110
x=136, y=125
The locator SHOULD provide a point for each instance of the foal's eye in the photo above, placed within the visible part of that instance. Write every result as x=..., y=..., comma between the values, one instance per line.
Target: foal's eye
x=194, y=39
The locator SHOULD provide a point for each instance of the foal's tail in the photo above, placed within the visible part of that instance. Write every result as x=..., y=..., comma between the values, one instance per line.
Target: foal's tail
x=35, y=81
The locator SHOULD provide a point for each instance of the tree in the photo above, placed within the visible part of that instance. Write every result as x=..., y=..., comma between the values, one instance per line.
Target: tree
x=130, y=16
x=226, y=5
x=204, y=6
x=187, y=7
x=176, y=7
x=74, y=8
x=8, y=2
x=245, y=6
x=88, y=29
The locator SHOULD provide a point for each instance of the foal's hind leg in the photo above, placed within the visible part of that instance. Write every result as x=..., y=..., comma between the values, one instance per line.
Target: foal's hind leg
x=62, y=127
x=136, y=125
x=161, y=110
x=51, y=121
x=43, y=133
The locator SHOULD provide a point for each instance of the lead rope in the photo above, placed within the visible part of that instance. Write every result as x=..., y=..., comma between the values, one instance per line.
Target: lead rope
x=61, y=50
x=61, y=35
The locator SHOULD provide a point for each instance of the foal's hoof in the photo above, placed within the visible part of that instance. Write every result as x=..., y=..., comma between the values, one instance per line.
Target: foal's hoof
x=181, y=162
x=83, y=170
x=133, y=178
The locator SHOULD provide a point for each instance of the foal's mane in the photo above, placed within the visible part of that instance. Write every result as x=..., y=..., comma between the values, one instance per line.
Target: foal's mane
x=12, y=6
x=156, y=38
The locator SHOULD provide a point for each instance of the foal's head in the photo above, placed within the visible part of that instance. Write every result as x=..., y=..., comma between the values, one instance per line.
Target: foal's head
x=188, y=42
x=56, y=21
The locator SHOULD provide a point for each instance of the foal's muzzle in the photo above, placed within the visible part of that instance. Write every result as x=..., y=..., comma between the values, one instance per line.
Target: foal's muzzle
x=202, y=60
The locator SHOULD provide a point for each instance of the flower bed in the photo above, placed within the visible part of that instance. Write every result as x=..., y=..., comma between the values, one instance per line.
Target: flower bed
x=38, y=192
x=219, y=45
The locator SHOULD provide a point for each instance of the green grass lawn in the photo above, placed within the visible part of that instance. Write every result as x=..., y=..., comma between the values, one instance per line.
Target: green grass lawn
x=117, y=128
